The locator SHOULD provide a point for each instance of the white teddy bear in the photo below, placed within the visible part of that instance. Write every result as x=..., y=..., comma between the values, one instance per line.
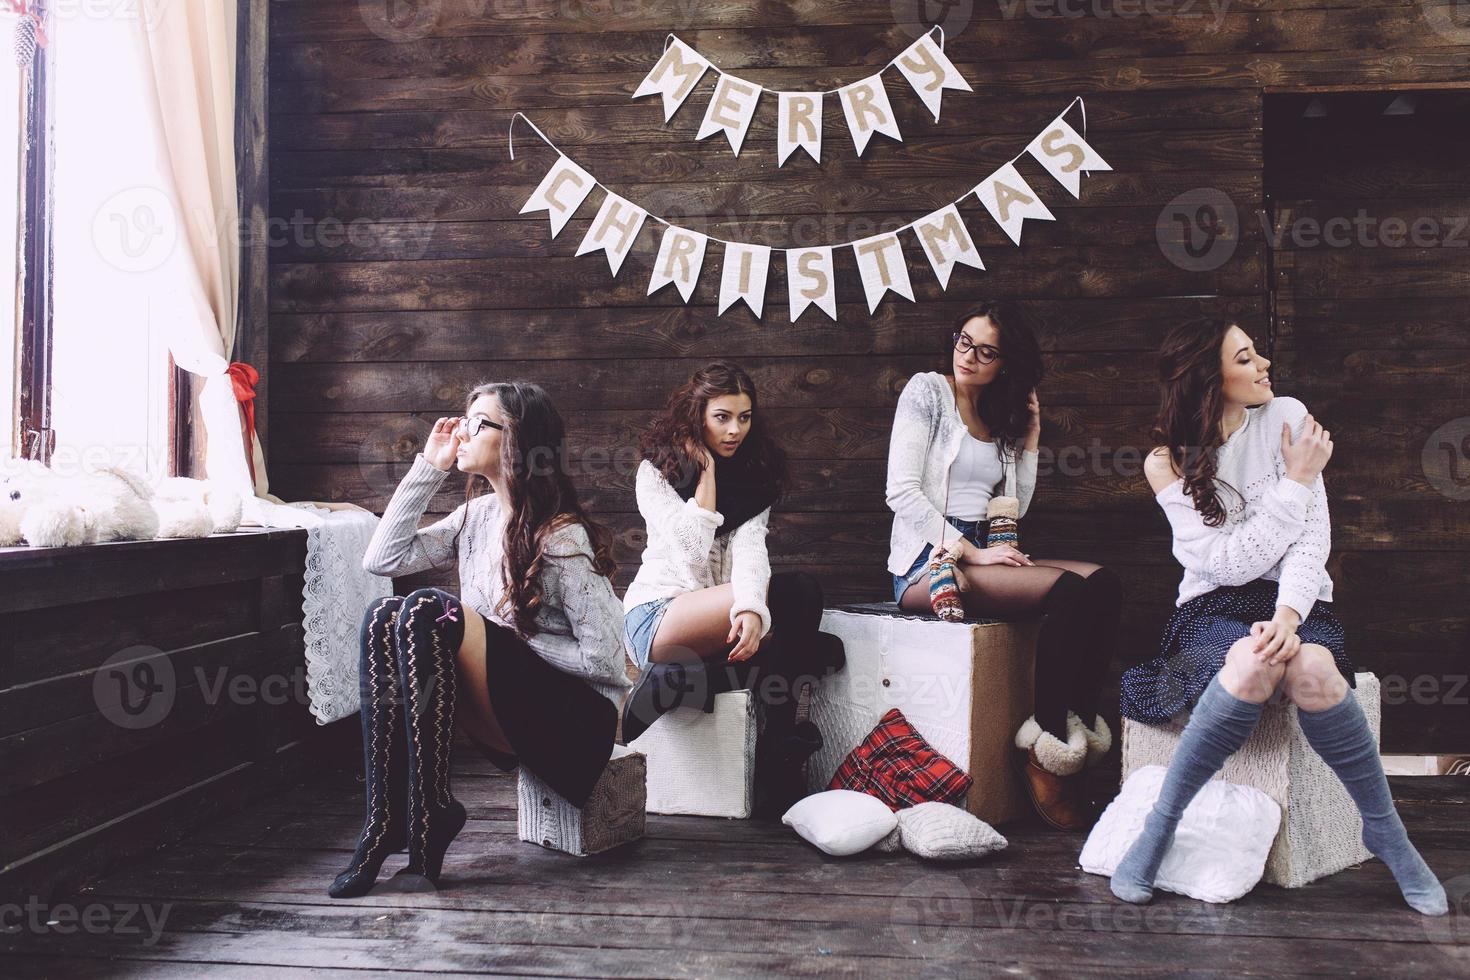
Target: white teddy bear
x=46, y=509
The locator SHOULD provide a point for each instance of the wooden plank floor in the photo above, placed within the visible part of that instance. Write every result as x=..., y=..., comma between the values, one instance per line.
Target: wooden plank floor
x=714, y=898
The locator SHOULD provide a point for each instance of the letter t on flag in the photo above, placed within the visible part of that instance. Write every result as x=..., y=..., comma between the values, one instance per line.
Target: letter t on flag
x=881, y=267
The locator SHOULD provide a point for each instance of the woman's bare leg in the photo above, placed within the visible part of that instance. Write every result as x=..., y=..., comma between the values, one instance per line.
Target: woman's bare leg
x=694, y=627
x=473, y=712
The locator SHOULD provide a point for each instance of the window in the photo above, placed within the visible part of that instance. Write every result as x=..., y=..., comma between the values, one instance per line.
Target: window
x=11, y=116
x=87, y=366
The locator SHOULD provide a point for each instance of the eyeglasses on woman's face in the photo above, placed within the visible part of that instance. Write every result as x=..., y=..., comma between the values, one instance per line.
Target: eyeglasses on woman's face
x=471, y=427
x=984, y=352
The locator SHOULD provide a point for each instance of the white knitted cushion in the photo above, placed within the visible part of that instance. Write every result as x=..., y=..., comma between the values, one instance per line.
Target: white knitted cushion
x=1219, y=850
x=702, y=764
x=947, y=833
x=841, y=821
x=891, y=844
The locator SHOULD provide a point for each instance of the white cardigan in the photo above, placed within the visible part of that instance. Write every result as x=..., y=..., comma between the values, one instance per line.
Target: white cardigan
x=684, y=555
x=1281, y=530
x=580, y=623
x=926, y=438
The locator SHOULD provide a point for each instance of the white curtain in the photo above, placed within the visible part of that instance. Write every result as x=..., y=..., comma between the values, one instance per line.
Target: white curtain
x=190, y=49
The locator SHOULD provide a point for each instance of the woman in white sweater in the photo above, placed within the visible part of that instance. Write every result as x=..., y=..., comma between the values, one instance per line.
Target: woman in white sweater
x=956, y=441
x=529, y=663
x=1239, y=475
x=704, y=614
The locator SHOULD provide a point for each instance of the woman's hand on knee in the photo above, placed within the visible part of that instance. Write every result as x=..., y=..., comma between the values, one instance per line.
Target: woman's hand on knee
x=745, y=634
x=1276, y=641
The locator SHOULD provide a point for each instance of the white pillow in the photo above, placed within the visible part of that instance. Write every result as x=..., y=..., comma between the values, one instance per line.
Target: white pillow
x=1219, y=851
x=942, y=831
x=841, y=821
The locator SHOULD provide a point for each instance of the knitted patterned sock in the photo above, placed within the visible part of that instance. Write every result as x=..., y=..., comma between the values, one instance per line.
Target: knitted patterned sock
x=944, y=590
x=430, y=629
x=1002, y=515
x=1341, y=736
x=384, y=762
x=1218, y=727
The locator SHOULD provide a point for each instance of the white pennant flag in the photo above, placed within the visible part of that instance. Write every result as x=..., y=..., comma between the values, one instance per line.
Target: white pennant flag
x=1064, y=154
x=560, y=193
x=882, y=267
x=730, y=111
x=865, y=104
x=799, y=123
x=1010, y=200
x=674, y=77
x=946, y=242
x=613, y=230
x=810, y=279
x=930, y=72
x=743, y=276
x=680, y=256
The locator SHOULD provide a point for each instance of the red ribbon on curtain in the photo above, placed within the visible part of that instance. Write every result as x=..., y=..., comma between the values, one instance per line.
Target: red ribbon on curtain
x=244, y=378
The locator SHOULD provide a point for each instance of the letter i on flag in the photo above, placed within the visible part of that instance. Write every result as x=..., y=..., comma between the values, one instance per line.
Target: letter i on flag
x=560, y=193
x=1065, y=155
x=613, y=230
x=743, y=276
x=674, y=77
x=881, y=266
x=680, y=256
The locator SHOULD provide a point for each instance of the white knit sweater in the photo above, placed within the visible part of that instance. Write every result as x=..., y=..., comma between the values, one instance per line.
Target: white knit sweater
x=1280, y=531
x=684, y=555
x=581, y=623
x=926, y=438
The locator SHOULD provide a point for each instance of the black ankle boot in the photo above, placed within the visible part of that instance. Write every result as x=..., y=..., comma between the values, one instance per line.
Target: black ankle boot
x=430, y=629
x=784, y=679
x=664, y=687
x=384, y=753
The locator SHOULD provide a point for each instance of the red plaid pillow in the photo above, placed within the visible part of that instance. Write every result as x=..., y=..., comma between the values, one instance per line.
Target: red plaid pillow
x=895, y=764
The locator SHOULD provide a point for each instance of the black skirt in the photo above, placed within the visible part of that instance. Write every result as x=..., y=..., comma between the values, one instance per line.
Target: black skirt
x=1198, y=636
x=559, y=727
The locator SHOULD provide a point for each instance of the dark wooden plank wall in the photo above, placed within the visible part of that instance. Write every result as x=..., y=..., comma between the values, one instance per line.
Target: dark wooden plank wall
x=402, y=132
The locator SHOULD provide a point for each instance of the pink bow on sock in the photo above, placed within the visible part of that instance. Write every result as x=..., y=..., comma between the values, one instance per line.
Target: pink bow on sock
x=449, y=614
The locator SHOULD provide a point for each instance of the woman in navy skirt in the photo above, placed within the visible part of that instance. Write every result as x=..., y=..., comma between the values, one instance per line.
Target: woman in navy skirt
x=1239, y=475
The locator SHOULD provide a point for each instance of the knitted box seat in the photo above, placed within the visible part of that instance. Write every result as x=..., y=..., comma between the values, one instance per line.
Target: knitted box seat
x=613, y=814
x=703, y=764
x=966, y=687
x=1321, y=832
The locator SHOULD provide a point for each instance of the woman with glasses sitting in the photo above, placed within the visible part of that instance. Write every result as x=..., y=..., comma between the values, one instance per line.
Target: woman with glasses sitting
x=704, y=613
x=530, y=665
x=957, y=439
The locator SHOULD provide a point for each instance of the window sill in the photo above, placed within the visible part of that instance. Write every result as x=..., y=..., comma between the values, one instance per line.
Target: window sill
x=24, y=557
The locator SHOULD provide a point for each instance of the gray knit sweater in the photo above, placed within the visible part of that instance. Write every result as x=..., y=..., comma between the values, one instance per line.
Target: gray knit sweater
x=581, y=620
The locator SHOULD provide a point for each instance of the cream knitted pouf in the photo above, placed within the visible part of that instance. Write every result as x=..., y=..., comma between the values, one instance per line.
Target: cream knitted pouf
x=703, y=764
x=613, y=815
x=1321, y=832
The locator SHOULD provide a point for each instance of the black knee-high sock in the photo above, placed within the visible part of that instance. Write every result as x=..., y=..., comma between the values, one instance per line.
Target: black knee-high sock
x=1063, y=612
x=384, y=753
x=1098, y=641
x=430, y=629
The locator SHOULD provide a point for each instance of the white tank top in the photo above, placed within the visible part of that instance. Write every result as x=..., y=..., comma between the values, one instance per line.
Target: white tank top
x=972, y=479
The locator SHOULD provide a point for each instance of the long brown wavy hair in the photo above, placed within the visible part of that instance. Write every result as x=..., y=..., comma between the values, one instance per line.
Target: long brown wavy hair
x=1191, y=405
x=1004, y=402
x=541, y=497
x=665, y=441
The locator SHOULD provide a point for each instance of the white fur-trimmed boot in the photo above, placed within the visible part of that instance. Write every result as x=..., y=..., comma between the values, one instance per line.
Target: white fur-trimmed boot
x=1052, y=772
x=1099, y=738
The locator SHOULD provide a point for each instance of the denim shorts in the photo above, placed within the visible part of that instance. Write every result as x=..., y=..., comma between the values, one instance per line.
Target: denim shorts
x=641, y=623
x=974, y=532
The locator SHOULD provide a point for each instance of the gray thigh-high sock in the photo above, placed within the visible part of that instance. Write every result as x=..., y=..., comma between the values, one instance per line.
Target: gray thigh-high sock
x=1341, y=736
x=1219, y=726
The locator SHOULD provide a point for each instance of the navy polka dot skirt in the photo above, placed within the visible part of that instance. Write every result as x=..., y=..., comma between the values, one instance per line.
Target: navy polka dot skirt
x=1198, y=636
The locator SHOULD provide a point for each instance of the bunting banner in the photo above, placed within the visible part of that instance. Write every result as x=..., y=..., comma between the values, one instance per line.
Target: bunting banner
x=864, y=103
x=811, y=274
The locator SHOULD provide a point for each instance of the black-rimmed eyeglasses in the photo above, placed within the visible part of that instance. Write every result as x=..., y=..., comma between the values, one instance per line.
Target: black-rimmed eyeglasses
x=984, y=352
x=472, y=427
